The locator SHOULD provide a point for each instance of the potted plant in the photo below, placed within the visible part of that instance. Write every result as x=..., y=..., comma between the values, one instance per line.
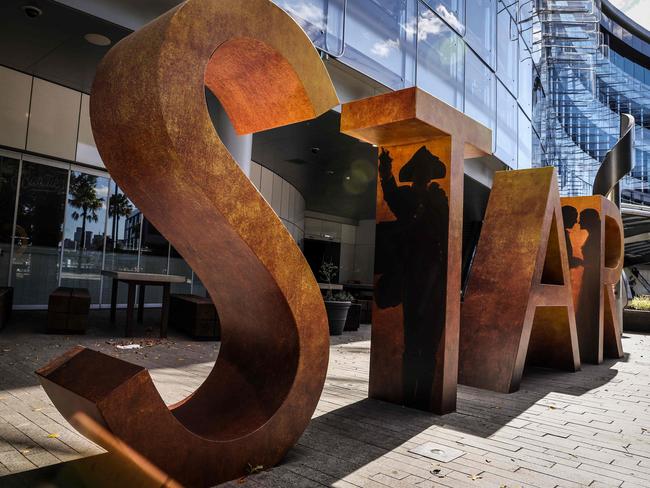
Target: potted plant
x=636, y=316
x=337, y=305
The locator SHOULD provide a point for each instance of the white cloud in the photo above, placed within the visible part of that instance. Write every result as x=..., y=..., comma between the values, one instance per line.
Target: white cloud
x=383, y=48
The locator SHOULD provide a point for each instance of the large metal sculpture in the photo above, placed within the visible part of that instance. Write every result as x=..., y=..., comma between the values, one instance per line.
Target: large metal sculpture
x=518, y=306
x=155, y=136
x=594, y=238
x=422, y=146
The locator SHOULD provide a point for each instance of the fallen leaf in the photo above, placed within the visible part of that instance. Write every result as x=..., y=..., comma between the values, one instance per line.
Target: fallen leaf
x=54, y=435
x=254, y=469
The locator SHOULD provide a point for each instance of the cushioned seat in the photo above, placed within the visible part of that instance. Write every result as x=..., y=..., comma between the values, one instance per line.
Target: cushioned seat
x=67, y=311
x=195, y=315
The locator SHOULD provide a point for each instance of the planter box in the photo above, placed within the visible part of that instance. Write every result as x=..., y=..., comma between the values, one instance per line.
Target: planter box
x=352, y=322
x=337, y=314
x=195, y=315
x=636, y=320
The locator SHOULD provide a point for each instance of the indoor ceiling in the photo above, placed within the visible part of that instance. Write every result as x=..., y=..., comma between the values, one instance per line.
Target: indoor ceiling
x=52, y=45
x=335, y=173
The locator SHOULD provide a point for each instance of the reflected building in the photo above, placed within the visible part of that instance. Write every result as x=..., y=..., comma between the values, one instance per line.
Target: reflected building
x=592, y=64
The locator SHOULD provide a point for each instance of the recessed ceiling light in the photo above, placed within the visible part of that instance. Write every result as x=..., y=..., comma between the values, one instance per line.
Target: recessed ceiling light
x=32, y=11
x=97, y=39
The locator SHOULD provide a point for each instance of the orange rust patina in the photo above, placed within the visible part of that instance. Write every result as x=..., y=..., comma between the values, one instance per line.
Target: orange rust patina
x=422, y=146
x=154, y=133
x=594, y=237
x=518, y=306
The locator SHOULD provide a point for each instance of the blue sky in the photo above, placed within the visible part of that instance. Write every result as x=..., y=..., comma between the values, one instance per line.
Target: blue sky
x=637, y=10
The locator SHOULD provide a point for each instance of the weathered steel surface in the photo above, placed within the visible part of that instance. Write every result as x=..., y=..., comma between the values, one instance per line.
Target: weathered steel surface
x=594, y=237
x=155, y=136
x=518, y=306
x=423, y=143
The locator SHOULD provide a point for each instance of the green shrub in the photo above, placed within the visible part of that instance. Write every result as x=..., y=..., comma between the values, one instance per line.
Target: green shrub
x=640, y=303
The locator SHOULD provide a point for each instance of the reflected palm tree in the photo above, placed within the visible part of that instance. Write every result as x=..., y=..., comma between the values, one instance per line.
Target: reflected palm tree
x=84, y=197
x=119, y=206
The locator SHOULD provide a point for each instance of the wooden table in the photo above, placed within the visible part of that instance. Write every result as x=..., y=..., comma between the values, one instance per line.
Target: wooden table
x=132, y=279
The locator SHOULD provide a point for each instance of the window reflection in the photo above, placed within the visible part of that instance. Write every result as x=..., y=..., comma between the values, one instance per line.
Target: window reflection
x=480, y=25
x=479, y=90
x=178, y=266
x=380, y=39
x=85, y=228
x=506, y=149
x=39, y=222
x=440, y=59
x=507, y=48
x=122, y=239
x=154, y=258
x=322, y=20
x=8, y=185
x=525, y=141
x=451, y=11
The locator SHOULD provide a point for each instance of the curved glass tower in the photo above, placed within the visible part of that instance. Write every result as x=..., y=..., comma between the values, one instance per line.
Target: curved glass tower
x=592, y=64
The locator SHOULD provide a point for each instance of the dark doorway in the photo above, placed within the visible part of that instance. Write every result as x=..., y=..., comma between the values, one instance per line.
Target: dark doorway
x=318, y=252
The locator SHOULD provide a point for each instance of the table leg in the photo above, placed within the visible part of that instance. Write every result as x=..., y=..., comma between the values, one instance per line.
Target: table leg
x=130, y=303
x=165, y=311
x=113, y=299
x=141, y=304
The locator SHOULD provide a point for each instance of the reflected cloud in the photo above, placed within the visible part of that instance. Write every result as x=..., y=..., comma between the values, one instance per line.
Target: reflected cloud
x=383, y=49
x=310, y=17
x=450, y=18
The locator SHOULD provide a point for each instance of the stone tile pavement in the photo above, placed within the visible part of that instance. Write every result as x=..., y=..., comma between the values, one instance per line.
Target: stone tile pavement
x=590, y=428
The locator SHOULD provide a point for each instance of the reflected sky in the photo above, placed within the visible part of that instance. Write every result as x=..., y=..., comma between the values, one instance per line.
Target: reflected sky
x=637, y=10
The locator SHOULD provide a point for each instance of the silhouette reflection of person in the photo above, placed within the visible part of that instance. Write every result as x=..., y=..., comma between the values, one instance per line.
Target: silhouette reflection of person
x=590, y=223
x=411, y=261
x=583, y=248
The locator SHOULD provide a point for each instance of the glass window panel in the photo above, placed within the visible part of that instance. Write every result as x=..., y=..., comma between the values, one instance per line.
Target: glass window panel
x=8, y=185
x=154, y=256
x=525, y=96
x=380, y=40
x=39, y=225
x=451, y=11
x=178, y=266
x=85, y=224
x=122, y=240
x=197, y=287
x=440, y=59
x=524, y=142
x=480, y=28
x=480, y=97
x=507, y=48
x=506, y=148
x=322, y=20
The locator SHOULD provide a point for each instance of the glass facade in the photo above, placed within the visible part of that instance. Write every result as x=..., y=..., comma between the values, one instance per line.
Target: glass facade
x=61, y=224
x=480, y=63
x=592, y=69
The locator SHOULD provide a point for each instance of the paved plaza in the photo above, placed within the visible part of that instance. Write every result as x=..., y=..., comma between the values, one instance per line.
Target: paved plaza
x=590, y=428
